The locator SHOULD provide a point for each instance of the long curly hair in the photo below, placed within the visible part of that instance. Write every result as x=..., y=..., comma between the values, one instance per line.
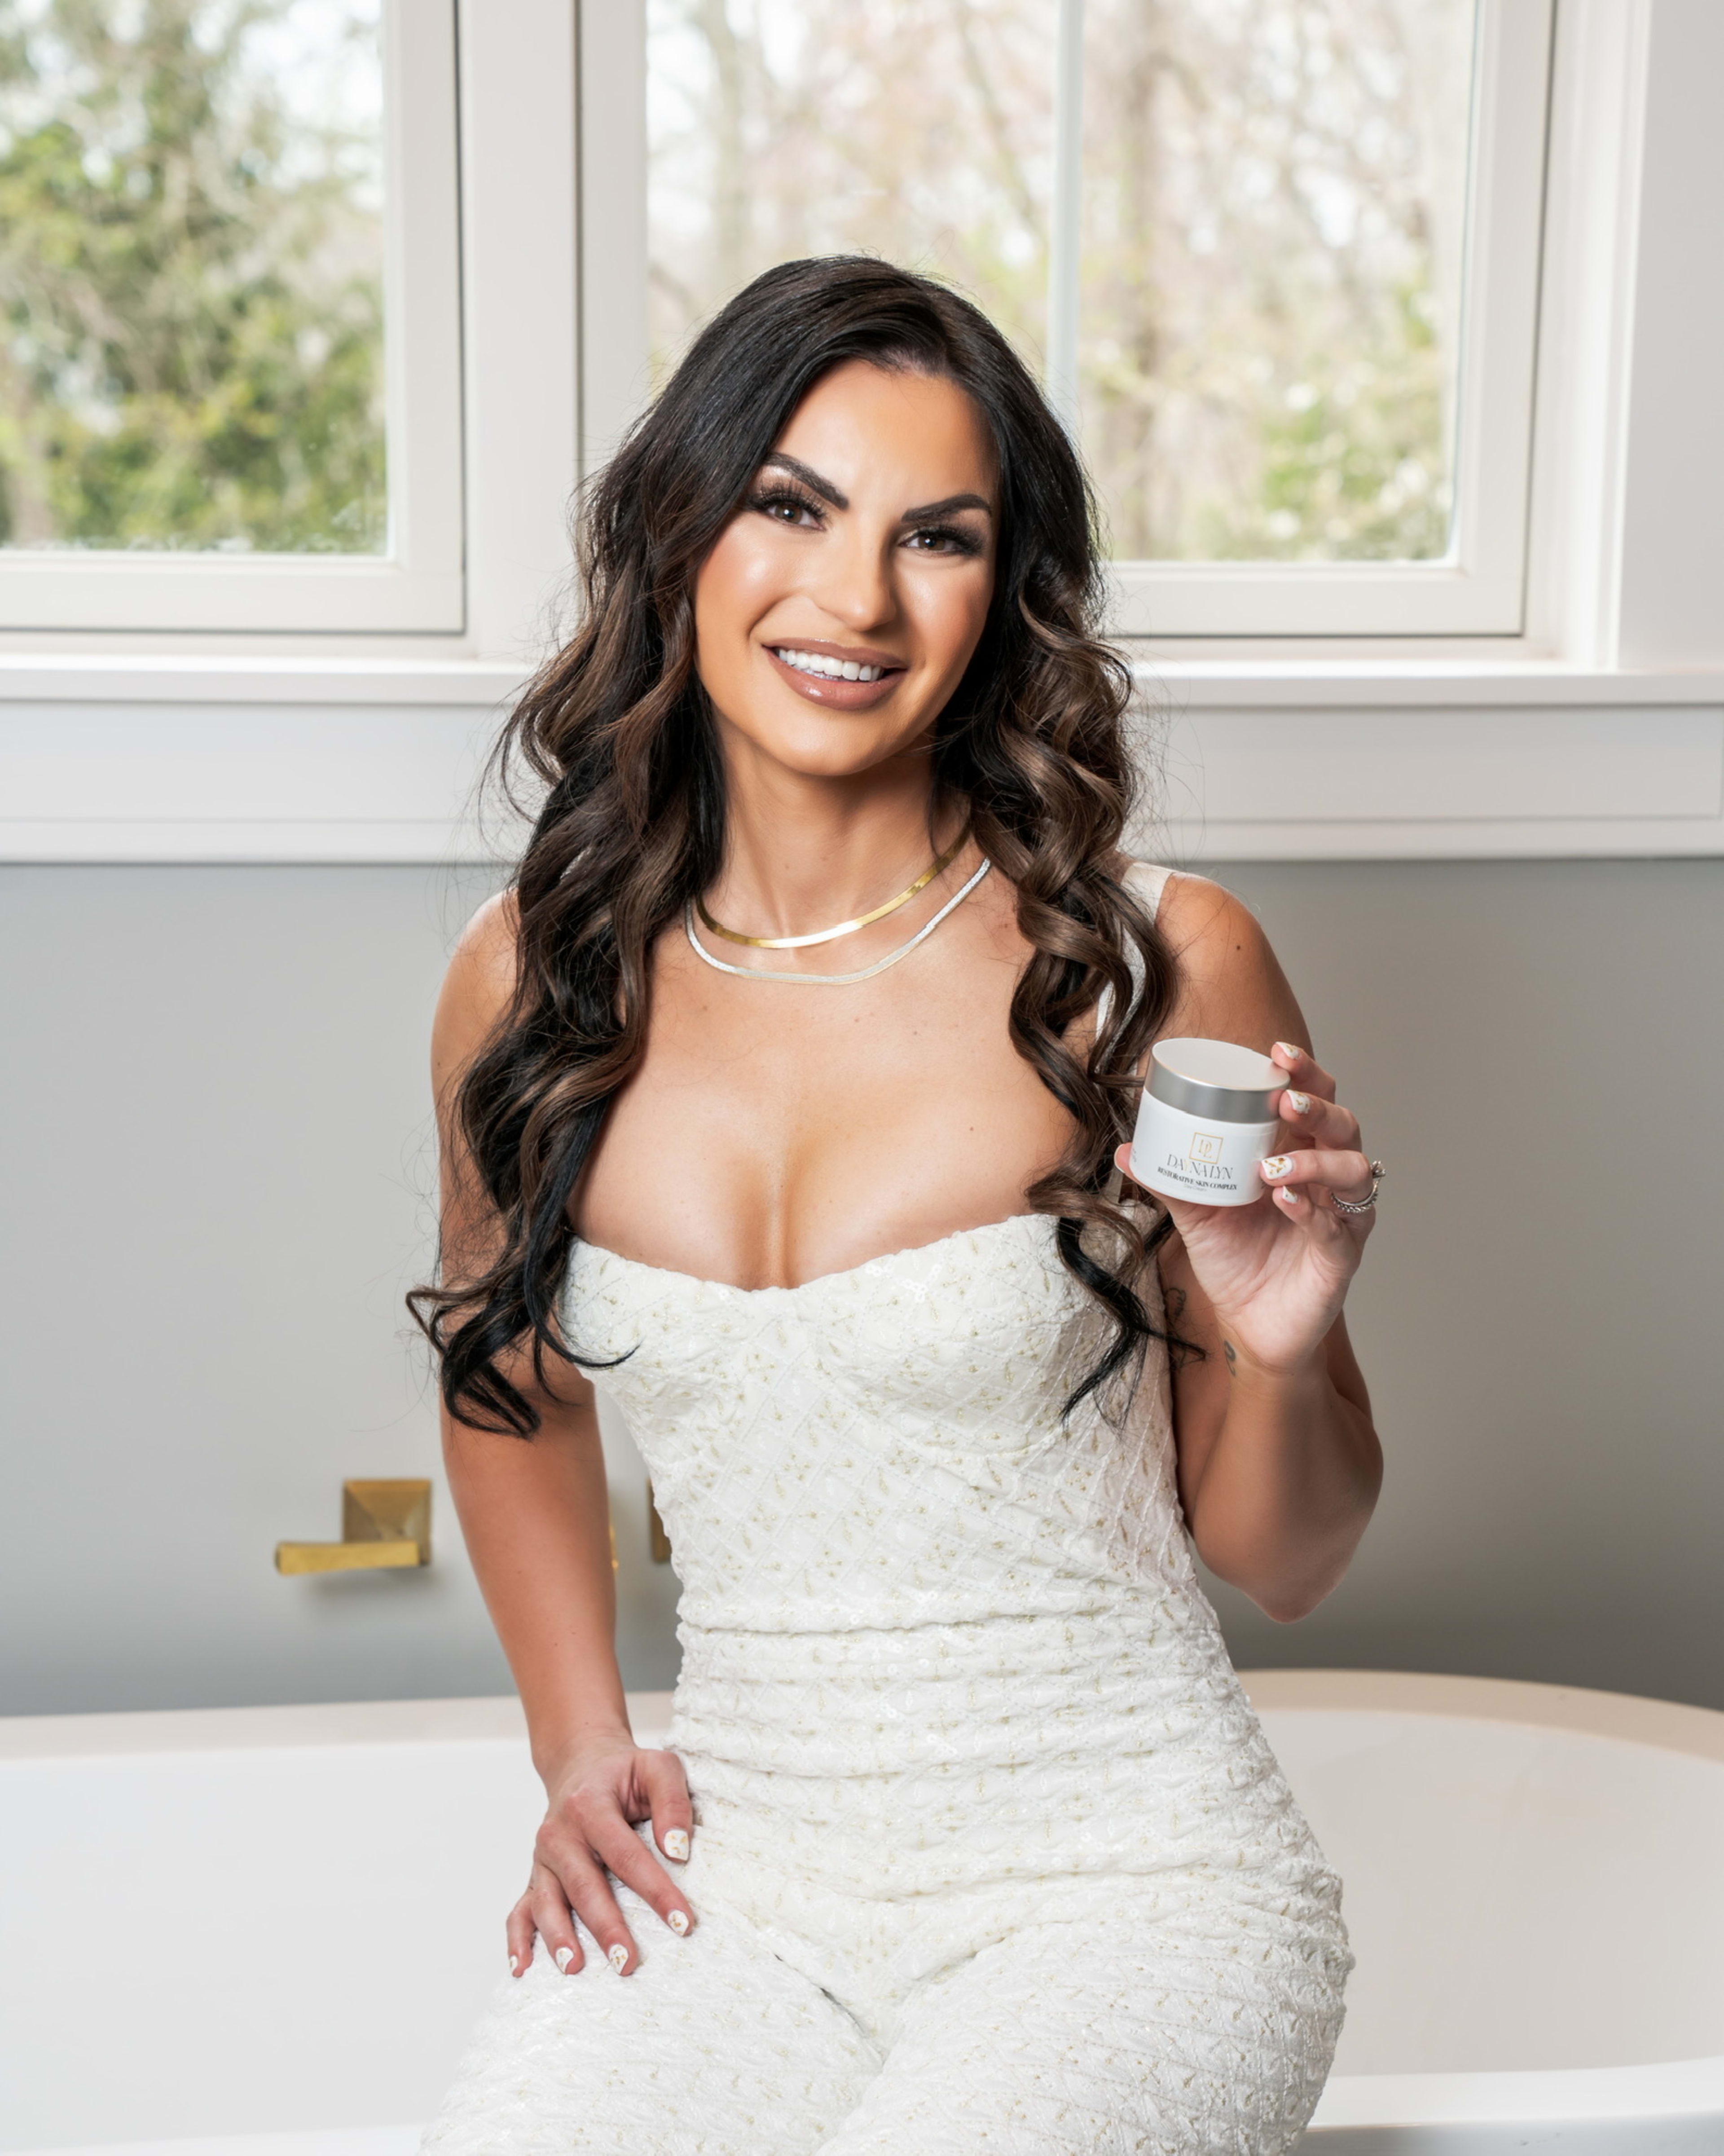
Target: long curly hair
x=617, y=731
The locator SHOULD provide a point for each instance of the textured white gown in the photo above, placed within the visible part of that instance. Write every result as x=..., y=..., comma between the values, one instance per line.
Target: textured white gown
x=990, y=1853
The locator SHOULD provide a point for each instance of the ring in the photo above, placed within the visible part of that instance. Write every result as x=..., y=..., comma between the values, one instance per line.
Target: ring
x=1360, y=1205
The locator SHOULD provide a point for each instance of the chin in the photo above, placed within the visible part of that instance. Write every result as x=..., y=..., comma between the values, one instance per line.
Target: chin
x=831, y=747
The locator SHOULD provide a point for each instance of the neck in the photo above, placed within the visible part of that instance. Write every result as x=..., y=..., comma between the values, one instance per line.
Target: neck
x=801, y=851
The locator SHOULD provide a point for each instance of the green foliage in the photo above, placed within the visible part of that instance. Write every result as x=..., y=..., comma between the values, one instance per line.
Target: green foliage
x=1353, y=464
x=191, y=311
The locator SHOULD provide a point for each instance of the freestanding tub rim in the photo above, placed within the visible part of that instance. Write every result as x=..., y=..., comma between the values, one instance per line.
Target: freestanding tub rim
x=1686, y=2095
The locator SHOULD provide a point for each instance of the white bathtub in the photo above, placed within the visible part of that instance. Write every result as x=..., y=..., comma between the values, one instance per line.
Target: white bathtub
x=266, y=1932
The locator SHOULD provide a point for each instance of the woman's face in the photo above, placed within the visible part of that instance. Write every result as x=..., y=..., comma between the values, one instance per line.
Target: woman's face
x=837, y=611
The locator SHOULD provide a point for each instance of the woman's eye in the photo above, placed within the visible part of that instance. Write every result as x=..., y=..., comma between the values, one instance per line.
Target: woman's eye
x=789, y=509
x=945, y=539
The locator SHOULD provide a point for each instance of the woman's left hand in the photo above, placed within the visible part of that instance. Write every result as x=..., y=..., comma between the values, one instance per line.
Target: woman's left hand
x=1277, y=1273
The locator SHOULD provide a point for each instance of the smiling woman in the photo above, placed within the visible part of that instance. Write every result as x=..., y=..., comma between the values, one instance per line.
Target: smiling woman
x=965, y=1835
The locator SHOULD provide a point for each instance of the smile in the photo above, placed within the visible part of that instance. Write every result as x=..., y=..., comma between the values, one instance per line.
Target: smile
x=826, y=669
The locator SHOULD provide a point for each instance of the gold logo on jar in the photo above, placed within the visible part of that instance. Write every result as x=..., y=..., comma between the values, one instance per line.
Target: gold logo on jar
x=1205, y=1144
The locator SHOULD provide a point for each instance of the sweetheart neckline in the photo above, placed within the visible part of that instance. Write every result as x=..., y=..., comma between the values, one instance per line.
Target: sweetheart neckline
x=818, y=1279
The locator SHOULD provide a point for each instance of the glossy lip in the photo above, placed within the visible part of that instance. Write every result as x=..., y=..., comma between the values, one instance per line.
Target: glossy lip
x=839, y=695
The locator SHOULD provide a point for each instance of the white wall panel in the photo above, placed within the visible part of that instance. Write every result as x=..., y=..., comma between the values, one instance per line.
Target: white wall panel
x=1247, y=764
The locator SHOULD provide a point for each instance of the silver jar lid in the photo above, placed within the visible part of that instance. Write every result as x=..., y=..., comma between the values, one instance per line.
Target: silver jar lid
x=1217, y=1080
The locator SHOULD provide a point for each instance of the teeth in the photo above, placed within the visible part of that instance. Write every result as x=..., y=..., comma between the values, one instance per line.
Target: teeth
x=828, y=669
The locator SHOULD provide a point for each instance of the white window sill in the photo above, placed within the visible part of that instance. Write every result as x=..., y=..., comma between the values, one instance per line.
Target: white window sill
x=266, y=678
x=1266, y=683
x=265, y=758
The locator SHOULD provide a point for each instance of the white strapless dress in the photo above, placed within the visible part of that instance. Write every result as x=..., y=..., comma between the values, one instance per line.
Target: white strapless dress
x=990, y=1853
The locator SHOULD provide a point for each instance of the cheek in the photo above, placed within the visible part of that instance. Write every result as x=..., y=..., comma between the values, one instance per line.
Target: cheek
x=739, y=580
x=951, y=611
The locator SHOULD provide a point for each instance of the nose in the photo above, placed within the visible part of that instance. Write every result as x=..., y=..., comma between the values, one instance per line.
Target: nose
x=853, y=579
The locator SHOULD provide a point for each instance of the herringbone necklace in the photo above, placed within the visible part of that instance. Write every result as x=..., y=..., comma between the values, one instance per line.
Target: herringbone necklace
x=936, y=867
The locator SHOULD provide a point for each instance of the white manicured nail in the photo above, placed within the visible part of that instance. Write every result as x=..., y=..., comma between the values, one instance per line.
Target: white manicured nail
x=676, y=1845
x=514, y=1965
x=679, y=1922
x=564, y=1955
x=1281, y=1165
x=619, y=1957
x=1300, y=1103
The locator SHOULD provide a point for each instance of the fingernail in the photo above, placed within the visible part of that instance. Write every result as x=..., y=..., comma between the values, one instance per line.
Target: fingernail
x=514, y=1965
x=1279, y=1166
x=1300, y=1103
x=679, y=1922
x=676, y=1845
x=619, y=1957
x=1287, y=1048
x=564, y=1955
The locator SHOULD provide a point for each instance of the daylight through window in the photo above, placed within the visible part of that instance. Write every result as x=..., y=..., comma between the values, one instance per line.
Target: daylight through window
x=1268, y=274
x=192, y=276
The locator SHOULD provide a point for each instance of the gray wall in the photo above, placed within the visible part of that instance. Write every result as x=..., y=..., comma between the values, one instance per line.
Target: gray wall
x=1530, y=1044
x=216, y=1171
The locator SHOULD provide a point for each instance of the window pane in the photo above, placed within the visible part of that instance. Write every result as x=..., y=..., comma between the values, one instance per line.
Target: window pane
x=1275, y=193
x=917, y=129
x=191, y=275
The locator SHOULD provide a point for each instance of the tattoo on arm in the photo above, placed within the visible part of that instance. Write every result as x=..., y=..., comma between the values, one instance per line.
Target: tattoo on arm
x=1233, y=1360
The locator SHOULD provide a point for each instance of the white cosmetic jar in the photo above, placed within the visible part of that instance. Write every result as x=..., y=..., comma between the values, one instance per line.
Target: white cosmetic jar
x=1205, y=1122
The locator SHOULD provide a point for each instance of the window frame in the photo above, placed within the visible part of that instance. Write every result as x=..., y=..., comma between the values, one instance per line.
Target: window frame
x=1479, y=590
x=416, y=584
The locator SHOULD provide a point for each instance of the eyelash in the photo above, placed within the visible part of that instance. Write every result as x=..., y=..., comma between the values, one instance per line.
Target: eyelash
x=954, y=537
x=785, y=497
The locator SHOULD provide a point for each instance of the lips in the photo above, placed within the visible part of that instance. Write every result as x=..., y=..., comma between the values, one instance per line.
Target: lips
x=848, y=680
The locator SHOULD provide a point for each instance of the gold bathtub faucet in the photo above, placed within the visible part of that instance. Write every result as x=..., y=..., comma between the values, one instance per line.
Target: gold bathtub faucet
x=385, y=1526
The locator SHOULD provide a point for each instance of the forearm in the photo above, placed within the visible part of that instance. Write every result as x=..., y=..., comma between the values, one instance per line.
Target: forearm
x=1287, y=1486
x=536, y=1518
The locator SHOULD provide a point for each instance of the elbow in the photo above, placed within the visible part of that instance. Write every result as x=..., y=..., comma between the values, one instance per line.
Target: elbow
x=1288, y=1565
x=1285, y=1593
x=1286, y=1606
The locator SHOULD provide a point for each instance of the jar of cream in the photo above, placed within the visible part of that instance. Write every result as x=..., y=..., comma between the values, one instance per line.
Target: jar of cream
x=1205, y=1122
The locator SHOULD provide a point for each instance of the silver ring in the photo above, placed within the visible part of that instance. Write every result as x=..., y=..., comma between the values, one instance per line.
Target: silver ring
x=1360, y=1205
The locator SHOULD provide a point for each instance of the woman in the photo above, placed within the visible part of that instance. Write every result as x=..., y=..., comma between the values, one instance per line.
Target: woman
x=967, y=1838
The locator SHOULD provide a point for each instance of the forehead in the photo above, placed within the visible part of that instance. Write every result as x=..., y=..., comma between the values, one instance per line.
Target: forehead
x=882, y=433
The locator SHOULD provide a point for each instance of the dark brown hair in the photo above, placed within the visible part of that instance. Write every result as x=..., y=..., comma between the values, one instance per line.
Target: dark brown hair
x=617, y=730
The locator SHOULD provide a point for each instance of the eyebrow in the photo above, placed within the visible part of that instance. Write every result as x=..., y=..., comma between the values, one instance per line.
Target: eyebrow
x=810, y=478
x=953, y=502
x=924, y=514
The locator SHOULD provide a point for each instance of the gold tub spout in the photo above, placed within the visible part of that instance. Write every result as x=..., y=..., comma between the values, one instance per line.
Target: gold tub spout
x=385, y=1526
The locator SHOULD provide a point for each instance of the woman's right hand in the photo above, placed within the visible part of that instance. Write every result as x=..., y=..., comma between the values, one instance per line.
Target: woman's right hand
x=597, y=1794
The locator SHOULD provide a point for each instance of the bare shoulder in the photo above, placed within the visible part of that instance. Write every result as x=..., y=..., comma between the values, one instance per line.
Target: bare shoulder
x=1232, y=987
x=477, y=987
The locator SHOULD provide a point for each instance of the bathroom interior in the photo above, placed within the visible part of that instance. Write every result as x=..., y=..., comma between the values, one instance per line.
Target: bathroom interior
x=259, y=1746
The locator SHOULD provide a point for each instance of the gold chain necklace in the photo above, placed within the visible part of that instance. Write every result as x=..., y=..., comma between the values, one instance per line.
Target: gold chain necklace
x=834, y=980
x=940, y=863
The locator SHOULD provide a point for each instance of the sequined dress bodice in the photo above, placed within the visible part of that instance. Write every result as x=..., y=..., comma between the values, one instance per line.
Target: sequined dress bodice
x=916, y=1598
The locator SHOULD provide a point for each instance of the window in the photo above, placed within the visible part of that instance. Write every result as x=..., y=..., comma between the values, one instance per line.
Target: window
x=228, y=227
x=1276, y=259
